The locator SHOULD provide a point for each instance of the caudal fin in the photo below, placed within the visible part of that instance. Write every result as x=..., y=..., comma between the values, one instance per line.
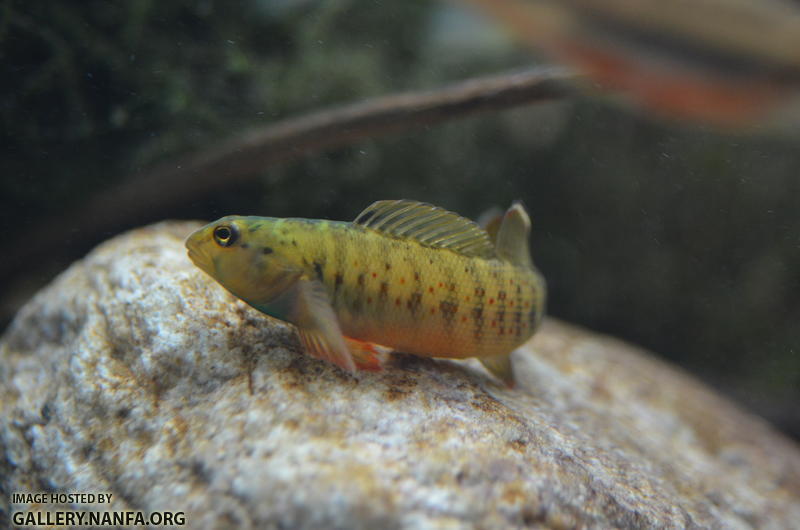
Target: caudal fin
x=512, y=236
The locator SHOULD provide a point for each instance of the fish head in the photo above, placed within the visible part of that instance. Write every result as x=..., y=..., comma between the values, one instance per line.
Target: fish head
x=239, y=253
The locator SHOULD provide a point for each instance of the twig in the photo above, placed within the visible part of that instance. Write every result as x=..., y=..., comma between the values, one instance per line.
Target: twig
x=144, y=198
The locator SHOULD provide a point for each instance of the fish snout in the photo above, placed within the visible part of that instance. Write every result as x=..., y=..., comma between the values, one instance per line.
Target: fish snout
x=194, y=245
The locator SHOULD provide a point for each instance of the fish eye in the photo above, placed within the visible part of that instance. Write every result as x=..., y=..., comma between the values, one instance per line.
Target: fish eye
x=225, y=235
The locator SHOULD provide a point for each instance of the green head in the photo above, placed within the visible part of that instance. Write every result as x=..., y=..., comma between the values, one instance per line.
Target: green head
x=242, y=254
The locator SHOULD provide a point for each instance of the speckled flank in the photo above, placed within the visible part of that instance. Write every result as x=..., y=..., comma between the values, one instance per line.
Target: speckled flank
x=417, y=299
x=383, y=288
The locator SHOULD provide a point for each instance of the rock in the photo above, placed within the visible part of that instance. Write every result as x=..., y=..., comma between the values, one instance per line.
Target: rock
x=136, y=374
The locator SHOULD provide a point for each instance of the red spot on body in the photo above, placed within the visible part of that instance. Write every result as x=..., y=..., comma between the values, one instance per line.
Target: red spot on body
x=374, y=274
x=494, y=323
x=397, y=301
x=511, y=303
x=491, y=301
x=463, y=319
x=402, y=281
x=467, y=298
x=441, y=285
x=430, y=289
x=433, y=310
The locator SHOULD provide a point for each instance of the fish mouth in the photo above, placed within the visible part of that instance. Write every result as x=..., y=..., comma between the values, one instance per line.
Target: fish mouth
x=199, y=258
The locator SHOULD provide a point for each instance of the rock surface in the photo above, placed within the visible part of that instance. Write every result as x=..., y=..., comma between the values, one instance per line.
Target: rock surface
x=136, y=374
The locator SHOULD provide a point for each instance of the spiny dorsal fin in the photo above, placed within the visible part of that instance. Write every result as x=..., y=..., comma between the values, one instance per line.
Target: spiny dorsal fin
x=429, y=225
x=512, y=236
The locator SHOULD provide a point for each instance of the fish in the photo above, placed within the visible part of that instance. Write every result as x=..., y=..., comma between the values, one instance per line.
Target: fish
x=403, y=276
x=732, y=64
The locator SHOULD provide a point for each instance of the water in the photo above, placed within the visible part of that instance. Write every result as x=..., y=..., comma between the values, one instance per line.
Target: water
x=671, y=234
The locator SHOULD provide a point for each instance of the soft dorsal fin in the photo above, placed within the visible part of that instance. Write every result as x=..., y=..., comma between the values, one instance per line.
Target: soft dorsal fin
x=512, y=236
x=430, y=225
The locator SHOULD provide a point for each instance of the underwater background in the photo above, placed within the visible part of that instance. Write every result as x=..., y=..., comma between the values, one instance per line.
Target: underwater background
x=671, y=235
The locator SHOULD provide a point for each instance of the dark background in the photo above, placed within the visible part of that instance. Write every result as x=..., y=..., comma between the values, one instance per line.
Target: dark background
x=672, y=236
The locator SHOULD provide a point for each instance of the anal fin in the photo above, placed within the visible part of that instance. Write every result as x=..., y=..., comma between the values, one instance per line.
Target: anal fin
x=367, y=355
x=500, y=366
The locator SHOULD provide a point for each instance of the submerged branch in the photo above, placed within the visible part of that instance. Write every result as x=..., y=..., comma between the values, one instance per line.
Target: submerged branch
x=153, y=195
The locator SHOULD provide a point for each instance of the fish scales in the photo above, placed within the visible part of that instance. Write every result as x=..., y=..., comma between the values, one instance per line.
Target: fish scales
x=420, y=300
x=398, y=292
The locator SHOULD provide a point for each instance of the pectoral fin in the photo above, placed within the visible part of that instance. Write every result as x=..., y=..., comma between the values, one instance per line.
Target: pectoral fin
x=500, y=366
x=317, y=324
